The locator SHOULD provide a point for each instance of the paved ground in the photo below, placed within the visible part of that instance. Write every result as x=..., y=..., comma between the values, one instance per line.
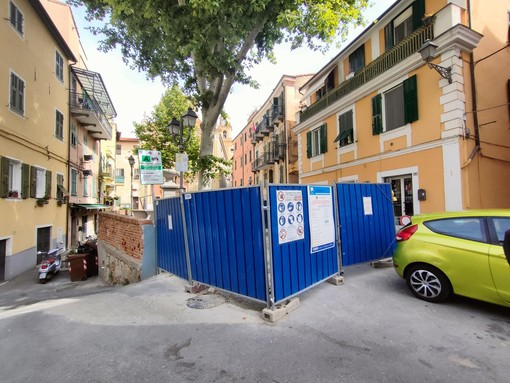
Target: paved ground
x=369, y=330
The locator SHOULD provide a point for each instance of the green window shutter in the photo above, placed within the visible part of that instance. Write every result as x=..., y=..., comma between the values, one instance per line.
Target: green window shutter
x=25, y=180
x=48, y=183
x=324, y=138
x=388, y=36
x=410, y=100
x=33, y=181
x=377, y=126
x=418, y=12
x=60, y=181
x=4, y=174
x=308, y=144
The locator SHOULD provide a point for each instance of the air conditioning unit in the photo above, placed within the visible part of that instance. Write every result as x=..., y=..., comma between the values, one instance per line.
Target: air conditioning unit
x=87, y=157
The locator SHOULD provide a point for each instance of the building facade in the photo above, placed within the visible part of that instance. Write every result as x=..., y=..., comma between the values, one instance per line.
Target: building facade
x=378, y=112
x=34, y=113
x=266, y=150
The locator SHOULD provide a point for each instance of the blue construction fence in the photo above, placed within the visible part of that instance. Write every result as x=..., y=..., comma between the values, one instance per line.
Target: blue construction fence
x=271, y=244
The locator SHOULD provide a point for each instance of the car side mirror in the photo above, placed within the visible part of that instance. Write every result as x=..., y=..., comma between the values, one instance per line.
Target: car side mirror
x=506, y=245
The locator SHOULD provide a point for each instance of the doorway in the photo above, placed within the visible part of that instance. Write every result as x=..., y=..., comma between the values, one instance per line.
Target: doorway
x=403, y=199
x=3, y=251
x=43, y=241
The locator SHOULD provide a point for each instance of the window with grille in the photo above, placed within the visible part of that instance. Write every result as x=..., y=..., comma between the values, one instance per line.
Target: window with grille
x=16, y=17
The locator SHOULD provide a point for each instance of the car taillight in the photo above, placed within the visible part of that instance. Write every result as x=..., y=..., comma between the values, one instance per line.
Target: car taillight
x=406, y=233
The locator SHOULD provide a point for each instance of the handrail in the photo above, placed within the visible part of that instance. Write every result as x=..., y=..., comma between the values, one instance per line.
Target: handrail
x=84, y=102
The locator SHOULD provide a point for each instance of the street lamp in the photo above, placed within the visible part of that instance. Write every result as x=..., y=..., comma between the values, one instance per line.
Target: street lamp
x=176, y=130
x=131, y=161
x=428, y=52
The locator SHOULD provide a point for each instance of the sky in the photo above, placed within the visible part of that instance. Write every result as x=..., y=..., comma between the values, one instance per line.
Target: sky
x=134, y=95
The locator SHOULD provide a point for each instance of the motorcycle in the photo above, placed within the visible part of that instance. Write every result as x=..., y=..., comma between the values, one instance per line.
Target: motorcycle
x=50, y=265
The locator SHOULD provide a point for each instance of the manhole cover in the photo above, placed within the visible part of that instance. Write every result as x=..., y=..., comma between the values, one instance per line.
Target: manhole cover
x=205, y=301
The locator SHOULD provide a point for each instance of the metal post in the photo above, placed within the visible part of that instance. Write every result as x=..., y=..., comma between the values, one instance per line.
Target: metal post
x=131, y=185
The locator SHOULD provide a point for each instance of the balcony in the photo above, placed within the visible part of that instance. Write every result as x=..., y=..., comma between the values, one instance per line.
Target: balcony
x=387, y=60
x=92, y=105
x=278, y=113
x=90, y=115
x=107, y=172
x=119, y=179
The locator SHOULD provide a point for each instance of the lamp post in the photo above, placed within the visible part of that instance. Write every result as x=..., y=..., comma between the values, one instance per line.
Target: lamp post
x=176, y=130
x=131, y=161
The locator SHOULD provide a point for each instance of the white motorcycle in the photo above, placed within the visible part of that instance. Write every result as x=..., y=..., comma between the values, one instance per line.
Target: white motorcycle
x=50, y=264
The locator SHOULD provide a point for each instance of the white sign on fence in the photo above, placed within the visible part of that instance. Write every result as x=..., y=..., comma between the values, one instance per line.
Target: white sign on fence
x=151, y=167
x=290, y=215
x=322, y=223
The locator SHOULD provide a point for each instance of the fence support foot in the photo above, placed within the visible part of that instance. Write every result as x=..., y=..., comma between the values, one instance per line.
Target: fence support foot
x=281, y=310
x=388, y=262
x=336, y=280
x=195, y=288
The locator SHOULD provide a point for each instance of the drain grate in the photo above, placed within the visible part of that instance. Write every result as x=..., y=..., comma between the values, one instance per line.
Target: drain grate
x=205, y=301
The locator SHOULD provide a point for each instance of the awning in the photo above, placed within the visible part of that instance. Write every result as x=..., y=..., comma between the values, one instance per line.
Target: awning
x=90, y=206
x=93, y=83
x=343, y=135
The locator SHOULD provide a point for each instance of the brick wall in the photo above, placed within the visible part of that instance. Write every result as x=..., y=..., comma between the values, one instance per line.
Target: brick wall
x=123, y=232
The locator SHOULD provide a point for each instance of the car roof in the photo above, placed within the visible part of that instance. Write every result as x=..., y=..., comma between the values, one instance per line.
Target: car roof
x=464, y=213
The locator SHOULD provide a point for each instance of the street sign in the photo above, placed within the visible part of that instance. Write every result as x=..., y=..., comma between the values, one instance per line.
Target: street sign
x=151, y=168
x=181, y=162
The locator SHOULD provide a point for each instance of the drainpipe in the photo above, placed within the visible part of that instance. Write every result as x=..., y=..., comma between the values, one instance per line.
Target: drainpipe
x=68, y=209
x=473, y=91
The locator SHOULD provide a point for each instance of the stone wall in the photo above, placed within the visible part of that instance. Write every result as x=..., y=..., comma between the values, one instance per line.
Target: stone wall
x=120, y=247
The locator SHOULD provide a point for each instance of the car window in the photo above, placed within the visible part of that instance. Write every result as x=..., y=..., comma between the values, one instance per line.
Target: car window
x=501, y=224
x=471, y=228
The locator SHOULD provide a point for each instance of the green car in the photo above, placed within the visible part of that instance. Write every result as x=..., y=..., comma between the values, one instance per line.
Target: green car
x=464, y=253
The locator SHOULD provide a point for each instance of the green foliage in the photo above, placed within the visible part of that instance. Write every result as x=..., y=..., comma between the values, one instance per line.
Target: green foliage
x=153, y=134
x=208, y=45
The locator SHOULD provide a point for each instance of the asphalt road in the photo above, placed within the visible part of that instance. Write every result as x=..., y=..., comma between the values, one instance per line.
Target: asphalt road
x=371, y=329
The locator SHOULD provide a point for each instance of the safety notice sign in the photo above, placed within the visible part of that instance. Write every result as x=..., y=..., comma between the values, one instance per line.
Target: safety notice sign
x=290, y=215
x=151, y=167
x=322, y=223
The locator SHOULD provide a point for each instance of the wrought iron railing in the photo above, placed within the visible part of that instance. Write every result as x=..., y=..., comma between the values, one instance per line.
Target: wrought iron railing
x=387, y=60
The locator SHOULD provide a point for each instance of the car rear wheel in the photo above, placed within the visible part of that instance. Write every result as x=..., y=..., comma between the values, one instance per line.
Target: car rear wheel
x=428, y=283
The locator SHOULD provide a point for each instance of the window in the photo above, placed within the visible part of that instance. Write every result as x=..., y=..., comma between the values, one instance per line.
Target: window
x=224, y=134
x=136, y=173
x=282, y=173
x=346, y=128
x=357, y=59
x=470, y=228
x=16, y=18
x=40, y=182
x=59, y=66
x=329, y=84
x=74, y=136
x=15, y=178
x=119, y=176
x=17, y=95
x=59, y=125
x=400, y=107
x=404, y=24
x=316, y=141
x=85, y=187
x=118, y=149
x=85, y=144
x=250, y=156
x=245, y=158
x=61, y=190
x=74, y=177
x=501, y=225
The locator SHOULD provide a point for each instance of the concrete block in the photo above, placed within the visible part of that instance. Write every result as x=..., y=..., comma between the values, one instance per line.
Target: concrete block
x=382, y=263
x=281, y=310
x=195, y=288
x=336, y=280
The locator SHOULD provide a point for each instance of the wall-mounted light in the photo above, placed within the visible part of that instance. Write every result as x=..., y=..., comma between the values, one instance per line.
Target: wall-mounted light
x=428, y=52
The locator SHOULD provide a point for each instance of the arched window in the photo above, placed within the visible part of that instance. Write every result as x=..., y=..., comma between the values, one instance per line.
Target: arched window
x=224, y=134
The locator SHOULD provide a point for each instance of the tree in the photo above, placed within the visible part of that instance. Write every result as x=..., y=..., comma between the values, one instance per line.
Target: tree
x=153, y=134
x=210, y=44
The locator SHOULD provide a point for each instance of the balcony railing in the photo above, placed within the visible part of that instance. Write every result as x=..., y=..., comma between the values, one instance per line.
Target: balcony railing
x=278, y=112
x=119, y=179
x=387, y=60
x=89, y=113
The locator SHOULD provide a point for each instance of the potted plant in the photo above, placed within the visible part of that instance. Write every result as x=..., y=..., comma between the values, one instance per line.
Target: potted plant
x=13, y=194
x=428, y=19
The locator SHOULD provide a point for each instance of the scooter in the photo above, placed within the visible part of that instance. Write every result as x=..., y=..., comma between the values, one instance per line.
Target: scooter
x=50, y=265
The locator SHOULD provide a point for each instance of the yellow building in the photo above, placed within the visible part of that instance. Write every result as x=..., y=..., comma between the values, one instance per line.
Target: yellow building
x=91, y=111
x=34, y=115
x=437, y=133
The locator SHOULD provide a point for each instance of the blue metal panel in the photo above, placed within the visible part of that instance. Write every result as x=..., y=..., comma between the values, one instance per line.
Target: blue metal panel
x=365, y=237
x=294, y=267
x=171, y=248
x=226, y=241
